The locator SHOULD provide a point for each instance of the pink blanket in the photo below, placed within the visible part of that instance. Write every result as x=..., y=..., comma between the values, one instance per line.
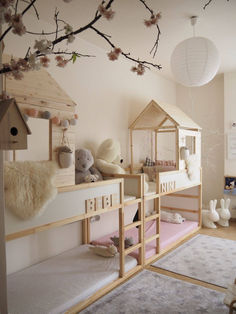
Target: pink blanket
x=169, y=233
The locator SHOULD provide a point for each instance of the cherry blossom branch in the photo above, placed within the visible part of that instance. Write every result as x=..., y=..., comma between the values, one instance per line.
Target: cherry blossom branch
x=126, y=55
x=154, y=20
x=23, y=12
x=208, y=4
x=35, y=10
x=82, y=29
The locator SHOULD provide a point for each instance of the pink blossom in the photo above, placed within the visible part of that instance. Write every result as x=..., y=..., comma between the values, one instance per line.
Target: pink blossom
x=17, y=25
x=44, y=61
x=61, y=62
x=107, y=13
x=140, y=69
x=153, y=20
x=114, y=54
x=59, y=58
x=6, y=3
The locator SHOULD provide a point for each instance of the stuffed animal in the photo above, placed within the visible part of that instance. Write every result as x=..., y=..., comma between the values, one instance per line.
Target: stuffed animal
x=105, y=251
x=108, y=158
x=210, y=216
x=174, y=218
x=84, y=172
x=224, y=213
x=128, y=241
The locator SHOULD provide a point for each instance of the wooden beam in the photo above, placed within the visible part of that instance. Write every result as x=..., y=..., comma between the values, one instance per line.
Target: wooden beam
x=131, y=152
x=180, y=209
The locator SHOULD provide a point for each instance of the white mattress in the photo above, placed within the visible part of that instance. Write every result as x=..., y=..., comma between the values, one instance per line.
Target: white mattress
x=62, y=281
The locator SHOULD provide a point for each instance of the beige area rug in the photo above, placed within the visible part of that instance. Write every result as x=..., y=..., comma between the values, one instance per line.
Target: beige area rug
x=149, y=292
x=205, y=258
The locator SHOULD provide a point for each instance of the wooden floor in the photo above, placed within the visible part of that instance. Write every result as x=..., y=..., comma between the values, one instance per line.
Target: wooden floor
x=221, y=232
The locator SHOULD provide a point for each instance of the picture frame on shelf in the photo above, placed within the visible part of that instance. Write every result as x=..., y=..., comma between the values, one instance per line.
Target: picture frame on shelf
x=230, y=185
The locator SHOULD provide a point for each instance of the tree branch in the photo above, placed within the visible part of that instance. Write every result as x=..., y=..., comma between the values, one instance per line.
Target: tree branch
x=126, y=55
x=23, y=12
x=81, y=29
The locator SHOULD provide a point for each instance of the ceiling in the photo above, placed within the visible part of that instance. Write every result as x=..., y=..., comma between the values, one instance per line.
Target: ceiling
x=217, y=23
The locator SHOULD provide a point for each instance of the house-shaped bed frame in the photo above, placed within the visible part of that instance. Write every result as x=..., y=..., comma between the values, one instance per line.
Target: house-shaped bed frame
x=165, y=118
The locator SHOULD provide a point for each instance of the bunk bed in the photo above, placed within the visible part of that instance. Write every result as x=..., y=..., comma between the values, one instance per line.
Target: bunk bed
x=75, y=278
x=172, y=188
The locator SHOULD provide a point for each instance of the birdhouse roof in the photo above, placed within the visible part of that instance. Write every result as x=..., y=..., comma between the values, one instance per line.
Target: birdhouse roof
x=5, y=106
x=38, y=88
x=156, y=115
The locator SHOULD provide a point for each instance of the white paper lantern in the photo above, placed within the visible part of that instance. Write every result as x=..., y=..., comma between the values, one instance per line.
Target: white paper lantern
x=195, y=61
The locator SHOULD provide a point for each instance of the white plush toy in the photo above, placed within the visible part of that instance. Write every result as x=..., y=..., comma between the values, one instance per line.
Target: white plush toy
x=210, y=216
x=224, y=213
x=105, y=251
x=108, y=158
x=174, y=218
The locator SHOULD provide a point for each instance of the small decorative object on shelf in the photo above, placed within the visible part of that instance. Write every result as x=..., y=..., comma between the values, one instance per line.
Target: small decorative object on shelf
x=230, y=185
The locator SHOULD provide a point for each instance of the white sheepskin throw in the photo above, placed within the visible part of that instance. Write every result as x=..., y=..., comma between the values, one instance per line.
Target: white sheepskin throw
x=29, y=187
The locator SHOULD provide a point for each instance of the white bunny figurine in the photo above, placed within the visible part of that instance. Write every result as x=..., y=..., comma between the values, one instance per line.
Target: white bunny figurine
x=224, y=213
x=210, y=216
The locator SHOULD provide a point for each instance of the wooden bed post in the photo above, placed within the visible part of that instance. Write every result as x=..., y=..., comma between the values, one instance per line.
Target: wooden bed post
x=151, y=144
x=141, y=217
x=121, y=231
x=200, y=200
x=177, y=148
x=131, y=152
x=155, y=145
x=157, y=207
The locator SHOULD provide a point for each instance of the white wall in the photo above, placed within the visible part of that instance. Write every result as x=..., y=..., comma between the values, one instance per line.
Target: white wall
x=109, y=97
x=205, y=105
x=229, y=118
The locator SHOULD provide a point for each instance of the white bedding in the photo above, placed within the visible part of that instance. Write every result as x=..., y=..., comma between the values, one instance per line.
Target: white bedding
x=62, y=281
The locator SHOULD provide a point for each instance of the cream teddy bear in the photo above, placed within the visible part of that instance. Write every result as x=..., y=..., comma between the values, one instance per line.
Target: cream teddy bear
x=108, y=158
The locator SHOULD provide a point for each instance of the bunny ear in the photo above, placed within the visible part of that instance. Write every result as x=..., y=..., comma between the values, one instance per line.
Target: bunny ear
x=222, y=203
x=211, y=204
x=215, y=202
x=227, y=203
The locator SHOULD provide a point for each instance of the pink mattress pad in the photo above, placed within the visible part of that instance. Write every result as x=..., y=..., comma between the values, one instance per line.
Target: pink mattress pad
x=169, y=233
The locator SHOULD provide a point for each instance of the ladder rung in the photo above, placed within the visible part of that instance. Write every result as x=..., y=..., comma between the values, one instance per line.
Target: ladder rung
x=155, y=236
x=132, y=225
x=152, y=217
x=132, y=248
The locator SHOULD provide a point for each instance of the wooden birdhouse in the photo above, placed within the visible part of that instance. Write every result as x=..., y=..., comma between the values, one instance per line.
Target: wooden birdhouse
x=13, y=128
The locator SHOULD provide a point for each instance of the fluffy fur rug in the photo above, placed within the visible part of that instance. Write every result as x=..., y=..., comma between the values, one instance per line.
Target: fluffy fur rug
x=29, y=187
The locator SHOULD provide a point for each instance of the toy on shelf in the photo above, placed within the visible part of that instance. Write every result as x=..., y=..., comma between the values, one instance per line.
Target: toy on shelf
x=84, y=170
x=108, y=159
x=209, y=217
x=224, y=213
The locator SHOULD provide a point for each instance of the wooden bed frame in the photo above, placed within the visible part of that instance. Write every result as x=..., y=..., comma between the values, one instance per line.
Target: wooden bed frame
x=130, y=184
